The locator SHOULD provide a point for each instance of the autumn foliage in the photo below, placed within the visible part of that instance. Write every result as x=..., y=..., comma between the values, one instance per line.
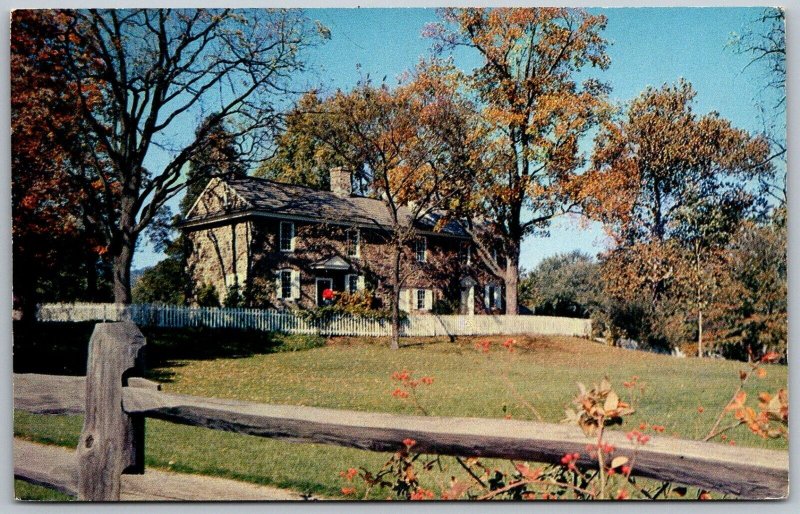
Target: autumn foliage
x=673, y=190
x=533, y=114
x=58, y=207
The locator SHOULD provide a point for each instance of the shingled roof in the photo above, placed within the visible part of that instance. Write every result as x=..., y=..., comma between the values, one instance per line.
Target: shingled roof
x=268, y=197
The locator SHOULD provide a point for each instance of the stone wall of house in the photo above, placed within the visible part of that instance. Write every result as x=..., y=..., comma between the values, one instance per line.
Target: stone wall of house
x=220, y=256
x=246, y=253
x=217, y=198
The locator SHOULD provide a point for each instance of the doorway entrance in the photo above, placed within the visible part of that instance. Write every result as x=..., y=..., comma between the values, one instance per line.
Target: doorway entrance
x=467, y=304
x=322, y=285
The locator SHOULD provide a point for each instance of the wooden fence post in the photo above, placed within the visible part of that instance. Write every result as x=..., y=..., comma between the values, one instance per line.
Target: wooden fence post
x=112, y=442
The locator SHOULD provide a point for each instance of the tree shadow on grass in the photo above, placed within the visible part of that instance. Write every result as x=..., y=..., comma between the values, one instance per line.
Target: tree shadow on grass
x=62, y=348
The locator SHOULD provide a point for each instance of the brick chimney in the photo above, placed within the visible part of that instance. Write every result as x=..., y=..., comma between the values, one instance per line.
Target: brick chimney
x=341, y=181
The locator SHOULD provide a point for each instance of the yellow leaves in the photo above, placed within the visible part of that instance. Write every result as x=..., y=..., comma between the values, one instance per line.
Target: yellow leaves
x=456, y=490
x=598, y=406
x=619, y=461
x=775, y=407
x=611, y=403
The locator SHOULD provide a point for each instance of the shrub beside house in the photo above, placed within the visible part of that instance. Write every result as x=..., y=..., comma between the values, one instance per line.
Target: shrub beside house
x=282, y=245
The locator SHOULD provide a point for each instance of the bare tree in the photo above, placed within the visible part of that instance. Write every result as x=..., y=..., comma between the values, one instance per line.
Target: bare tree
x=764, y=41
x=162, y=71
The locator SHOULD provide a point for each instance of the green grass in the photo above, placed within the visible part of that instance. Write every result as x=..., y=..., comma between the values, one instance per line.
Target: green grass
x=350, y=374
x=25, y=491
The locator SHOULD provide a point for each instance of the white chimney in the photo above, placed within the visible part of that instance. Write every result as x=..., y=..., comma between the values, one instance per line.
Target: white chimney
x=341, y=181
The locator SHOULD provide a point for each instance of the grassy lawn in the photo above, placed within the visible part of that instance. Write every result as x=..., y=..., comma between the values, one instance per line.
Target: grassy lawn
x=25, y=491
x=352, y=374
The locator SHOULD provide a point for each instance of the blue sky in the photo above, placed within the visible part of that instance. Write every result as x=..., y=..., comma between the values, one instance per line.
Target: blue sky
x=649, y=47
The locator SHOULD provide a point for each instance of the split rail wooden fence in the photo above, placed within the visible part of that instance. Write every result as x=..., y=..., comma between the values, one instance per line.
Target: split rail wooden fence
x=115, y=401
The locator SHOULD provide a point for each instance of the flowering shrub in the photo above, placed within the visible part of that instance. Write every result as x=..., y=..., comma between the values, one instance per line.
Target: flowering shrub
x=359, y=303
x=408, y=387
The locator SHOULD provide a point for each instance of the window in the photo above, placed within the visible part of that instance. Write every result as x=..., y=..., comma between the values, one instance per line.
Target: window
x=288, y=284
x=353, y=283
x=420, y=299
x=287, y=236
x=421, y=249
x=353, y=243
x=493, y=298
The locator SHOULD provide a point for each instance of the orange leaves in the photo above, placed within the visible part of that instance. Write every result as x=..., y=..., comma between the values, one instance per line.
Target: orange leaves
x=771, y=357
x=528, y=473
x=776, y=407
x=666, y=182
x=532, y=112
x=771, y=418
x=456, y=490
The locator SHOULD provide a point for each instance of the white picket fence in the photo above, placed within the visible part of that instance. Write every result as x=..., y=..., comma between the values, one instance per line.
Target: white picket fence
x=419, y=325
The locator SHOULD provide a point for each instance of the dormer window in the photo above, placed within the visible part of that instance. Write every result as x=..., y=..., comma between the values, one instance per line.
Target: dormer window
x=421, y=249
x=287, y=238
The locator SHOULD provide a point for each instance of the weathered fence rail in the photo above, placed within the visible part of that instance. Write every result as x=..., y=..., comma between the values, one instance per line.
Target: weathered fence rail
x=419, y=325
x=116, y=402
x=57, y=468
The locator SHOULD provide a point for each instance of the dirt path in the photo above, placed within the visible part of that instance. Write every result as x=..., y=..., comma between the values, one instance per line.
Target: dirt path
x=56, y=467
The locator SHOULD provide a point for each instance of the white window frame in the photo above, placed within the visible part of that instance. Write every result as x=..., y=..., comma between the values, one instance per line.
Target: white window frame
x=291, y=238
x=359, y=282
x=421, y=242
x=357, y=246
x=279, y=290
x=421, y=295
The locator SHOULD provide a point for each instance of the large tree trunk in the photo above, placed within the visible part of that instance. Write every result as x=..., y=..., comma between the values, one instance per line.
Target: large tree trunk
x=123, y=257
x=122, y=274
x=512, y=280
x=395, y=343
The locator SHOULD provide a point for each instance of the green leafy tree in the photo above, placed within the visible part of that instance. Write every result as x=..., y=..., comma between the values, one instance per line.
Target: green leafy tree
x=565, y=284
x=163, y=283
x=753, y=300
x=302, y=156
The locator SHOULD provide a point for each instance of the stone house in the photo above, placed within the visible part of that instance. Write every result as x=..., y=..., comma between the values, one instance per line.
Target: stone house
x=285, y=244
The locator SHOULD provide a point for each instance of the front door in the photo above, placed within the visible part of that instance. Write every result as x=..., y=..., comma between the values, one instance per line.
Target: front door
x=322, y=285
x=467, y=300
